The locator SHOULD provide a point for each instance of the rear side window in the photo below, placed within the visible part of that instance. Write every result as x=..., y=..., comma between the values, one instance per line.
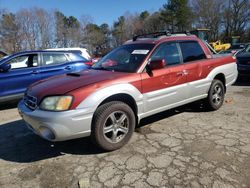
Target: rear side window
x=53, y=58
x=191, y=51
x=75, y=57
x=169, y=52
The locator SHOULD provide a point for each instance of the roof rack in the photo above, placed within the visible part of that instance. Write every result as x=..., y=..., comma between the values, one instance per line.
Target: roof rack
x=158, y=34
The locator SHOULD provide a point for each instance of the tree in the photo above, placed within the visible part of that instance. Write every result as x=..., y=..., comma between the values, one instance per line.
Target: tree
x=154, y=23
x=144, y=15
x=68, y=31
x=118, y=32
x=106, y=46
x=9, y=33
x=95, y=37
x=44, y=21
x=176, y=15
x=72, y=28
x=60, y=39
x=237, y=17
x=28, y=28
x=209, y=15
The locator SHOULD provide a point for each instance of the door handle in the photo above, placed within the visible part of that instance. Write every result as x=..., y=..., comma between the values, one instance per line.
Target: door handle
x=182, y=73
x=35, y=72
x=179, y=73
x=68, y=68
x=185, y=72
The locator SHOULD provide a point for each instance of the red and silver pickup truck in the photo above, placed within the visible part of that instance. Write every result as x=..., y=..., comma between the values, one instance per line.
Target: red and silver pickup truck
x=147, y=75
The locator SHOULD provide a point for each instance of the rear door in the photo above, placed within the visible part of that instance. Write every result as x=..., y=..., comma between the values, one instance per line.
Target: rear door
x=165, y=87
x=194, y=58
x=24, y=71
x=54, y=64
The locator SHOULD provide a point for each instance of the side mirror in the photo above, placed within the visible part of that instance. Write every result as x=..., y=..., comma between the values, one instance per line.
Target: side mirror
x=5, y=67
x=157, y=64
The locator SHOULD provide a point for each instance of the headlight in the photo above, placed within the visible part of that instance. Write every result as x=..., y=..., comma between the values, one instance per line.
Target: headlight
x=56, y=103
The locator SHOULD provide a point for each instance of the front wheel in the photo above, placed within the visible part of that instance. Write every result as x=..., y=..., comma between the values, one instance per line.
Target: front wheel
x=113, y=125
x=215, y=95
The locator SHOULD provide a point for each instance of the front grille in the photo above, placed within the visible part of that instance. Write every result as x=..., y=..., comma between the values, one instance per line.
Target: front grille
x=30, y=101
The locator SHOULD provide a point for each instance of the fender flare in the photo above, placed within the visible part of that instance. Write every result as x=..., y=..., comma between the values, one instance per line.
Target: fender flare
x=96, y=98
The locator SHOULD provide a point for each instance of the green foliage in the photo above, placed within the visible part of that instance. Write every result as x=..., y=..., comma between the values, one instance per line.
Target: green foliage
x=97, y=38
x=67, y=29
x=144, y=15
x=176, y=15
x=118, y=32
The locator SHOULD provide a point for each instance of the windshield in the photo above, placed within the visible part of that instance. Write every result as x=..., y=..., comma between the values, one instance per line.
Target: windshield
x=127, y=58
x=247, y=49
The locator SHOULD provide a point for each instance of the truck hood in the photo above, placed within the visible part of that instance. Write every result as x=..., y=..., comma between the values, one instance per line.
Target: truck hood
x=63, y=84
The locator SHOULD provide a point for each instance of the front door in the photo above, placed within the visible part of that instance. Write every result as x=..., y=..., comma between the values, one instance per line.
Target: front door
x=24, y=71
x=166, y=87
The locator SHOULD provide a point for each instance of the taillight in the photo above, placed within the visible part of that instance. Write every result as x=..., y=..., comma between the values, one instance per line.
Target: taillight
x=89, y=63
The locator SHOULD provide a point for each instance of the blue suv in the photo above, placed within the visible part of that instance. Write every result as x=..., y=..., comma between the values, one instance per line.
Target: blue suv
x=19, y=70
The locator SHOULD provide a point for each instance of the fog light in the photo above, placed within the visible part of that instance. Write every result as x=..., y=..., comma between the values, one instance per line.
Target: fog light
x=46, y=133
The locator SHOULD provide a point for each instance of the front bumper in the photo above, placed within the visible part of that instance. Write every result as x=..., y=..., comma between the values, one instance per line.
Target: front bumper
x=57, y=126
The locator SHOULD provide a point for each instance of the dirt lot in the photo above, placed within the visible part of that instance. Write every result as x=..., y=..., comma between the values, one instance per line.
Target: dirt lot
x=184, y=147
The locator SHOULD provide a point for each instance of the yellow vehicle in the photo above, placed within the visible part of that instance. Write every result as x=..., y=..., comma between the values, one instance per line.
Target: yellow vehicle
x=219, y=46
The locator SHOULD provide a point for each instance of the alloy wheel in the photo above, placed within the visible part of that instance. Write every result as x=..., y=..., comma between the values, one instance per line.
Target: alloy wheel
x=116, y=127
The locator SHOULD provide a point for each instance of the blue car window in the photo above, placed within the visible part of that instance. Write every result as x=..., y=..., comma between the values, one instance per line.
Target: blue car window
x=75, y=57
x=24, y=61
x=53, y=58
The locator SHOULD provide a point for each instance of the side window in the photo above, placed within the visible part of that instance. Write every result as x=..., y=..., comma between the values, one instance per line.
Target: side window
x=24, y=61
x=75, y=57
x=248, y=48
x=169, y=52
x=192, y=51
x=53, y=59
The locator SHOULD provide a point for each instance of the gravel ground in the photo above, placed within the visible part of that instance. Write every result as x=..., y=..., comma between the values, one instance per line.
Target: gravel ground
x=184, y=147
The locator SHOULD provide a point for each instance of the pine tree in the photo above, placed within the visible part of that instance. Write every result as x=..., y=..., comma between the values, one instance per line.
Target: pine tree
x=176, y=15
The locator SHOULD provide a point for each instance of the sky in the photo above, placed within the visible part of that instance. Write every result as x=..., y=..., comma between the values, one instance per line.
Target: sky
x=101, y=11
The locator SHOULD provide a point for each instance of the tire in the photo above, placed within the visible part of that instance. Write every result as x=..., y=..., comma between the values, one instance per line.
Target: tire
x=113, y=125
x=216, y=95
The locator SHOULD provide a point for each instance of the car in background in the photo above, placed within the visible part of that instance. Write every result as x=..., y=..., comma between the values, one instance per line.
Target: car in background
x=243, y=61
x=235, y=49
x=81, y=51
x=19, y=70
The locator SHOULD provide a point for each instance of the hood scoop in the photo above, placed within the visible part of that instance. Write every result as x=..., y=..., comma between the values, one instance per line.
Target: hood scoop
x=74, y=74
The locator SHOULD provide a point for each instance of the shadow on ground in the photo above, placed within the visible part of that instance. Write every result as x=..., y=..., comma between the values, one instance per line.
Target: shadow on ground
x=243, y=81
x=192, y=107
x=8, y=105
x=19, y=144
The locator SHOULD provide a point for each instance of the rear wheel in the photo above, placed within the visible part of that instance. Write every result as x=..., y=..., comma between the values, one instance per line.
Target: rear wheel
x=216, y=95
x=113, y=125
